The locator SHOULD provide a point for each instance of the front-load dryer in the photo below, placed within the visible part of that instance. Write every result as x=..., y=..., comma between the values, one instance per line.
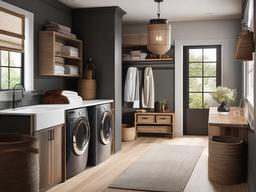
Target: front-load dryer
x=77, y=141
x=101, y=133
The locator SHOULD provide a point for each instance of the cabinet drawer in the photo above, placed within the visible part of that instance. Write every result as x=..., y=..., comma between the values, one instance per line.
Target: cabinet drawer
x=154, y=129
x=146, y=119
x=164, y=119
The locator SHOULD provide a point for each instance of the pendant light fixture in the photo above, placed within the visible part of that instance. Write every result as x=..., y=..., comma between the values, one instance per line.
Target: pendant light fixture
x=158, y=34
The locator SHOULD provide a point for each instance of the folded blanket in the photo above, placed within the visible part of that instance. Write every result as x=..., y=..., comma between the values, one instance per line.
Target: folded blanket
x=55, y=99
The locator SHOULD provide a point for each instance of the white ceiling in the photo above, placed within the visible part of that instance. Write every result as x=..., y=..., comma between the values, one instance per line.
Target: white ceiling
x=174, y=10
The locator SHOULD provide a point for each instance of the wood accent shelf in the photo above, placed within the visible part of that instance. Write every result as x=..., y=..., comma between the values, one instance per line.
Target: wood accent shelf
x=233, y=124
x=157, y=123
x=47, y=53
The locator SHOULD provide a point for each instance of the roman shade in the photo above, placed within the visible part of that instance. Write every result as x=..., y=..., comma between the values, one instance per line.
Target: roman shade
x=12, y=30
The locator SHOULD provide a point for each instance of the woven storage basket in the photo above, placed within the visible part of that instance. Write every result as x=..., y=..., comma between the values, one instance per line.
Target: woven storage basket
x=19, y=163
x=87, y=86
x=128, y=132
x=226, y=163
x=245, y=46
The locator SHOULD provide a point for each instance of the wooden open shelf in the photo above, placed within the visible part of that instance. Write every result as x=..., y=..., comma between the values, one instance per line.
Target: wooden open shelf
x=47, y=54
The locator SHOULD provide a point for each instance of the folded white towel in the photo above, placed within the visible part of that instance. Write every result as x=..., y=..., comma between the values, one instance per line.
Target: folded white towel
x=75, y=99
x=68, y=93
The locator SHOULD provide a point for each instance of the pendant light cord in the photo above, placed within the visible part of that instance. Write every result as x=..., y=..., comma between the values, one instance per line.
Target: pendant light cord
x=158, y=9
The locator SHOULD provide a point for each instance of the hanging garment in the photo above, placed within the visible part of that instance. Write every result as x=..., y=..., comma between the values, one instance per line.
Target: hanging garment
x=148, y=91
x=132, y=87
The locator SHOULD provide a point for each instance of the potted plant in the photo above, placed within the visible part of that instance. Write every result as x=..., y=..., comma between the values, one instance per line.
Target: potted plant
x=224, y=96
x=163, y=106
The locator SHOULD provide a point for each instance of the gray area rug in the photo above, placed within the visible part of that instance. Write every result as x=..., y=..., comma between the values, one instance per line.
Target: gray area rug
x=165, y=168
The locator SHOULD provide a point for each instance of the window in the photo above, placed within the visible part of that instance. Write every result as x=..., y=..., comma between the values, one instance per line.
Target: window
x=250, y=81
x=11, y=69
x=249, y=65
x=16, y=55
x=203, y=68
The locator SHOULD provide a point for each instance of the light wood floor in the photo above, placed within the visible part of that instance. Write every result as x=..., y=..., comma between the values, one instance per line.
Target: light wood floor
x=97, y=179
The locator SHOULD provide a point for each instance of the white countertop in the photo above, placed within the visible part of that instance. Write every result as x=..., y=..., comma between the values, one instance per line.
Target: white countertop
x=49, y=115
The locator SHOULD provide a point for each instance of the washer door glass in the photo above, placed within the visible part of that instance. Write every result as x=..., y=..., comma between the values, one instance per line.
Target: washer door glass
x=106, y=127
x=81, y=136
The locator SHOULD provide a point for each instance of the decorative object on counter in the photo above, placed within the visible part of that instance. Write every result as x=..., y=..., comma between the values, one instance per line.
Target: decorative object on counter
x=19, y=163
x=246, y=44
x=227, y=160
x=61, y=97
x=163, y=106
x=157, y=106
x=242, y=106
x=128, y=132
x=224, y=96
x=52, y=26
x=87, y=85
x=158, y=34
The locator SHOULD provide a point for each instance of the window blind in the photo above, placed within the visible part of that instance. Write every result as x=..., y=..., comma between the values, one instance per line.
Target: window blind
x=12, y=30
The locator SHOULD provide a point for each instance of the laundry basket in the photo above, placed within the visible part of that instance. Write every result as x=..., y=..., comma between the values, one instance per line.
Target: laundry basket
x=19, y=163
x=226, y=163
x=128, y=132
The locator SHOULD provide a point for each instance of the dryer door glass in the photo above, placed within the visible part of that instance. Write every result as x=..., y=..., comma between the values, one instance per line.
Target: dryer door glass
x=106, y=127
x=81, y=136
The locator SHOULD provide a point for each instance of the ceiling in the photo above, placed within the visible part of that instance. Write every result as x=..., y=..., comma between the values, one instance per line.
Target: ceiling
x=174, y=10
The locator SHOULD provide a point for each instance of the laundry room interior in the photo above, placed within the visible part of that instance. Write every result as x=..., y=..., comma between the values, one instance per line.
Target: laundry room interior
x=118, y=96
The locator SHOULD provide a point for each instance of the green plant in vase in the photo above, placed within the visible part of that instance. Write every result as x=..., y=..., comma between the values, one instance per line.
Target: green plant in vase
x=163, y=105
x=224, y=96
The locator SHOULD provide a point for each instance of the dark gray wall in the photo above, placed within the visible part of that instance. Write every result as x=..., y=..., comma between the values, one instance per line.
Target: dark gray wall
x=100, y=30
x=44, y=10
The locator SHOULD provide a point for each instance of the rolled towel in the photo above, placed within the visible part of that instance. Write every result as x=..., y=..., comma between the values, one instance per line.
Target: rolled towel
x=75, y=99
x=68, y=93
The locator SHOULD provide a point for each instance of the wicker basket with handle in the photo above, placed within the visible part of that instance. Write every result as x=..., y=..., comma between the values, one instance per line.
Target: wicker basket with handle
x=87, y=86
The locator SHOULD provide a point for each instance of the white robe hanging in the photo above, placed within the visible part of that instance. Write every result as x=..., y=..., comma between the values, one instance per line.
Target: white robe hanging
x=148, y=91
x=132, y=87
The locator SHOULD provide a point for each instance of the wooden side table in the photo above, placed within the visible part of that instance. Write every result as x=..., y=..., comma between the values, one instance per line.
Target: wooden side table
x=156, y=123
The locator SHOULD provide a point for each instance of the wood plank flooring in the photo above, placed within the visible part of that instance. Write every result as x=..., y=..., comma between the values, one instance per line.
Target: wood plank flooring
x=97, y=179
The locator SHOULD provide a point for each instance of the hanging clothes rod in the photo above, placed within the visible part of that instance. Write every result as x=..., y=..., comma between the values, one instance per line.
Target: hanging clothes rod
x=153, y=66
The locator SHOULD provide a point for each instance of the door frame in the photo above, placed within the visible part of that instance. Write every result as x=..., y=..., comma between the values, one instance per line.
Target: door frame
x=186, y=77
x=179, y=44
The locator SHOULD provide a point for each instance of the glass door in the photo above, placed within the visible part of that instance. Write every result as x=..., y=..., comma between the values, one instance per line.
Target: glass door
x=202, y=73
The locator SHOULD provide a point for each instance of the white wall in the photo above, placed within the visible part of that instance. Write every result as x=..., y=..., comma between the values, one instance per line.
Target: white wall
x=224, y=32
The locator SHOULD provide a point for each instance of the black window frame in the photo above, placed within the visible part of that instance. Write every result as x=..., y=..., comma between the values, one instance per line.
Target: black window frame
x=12, y=67
x=186, y=72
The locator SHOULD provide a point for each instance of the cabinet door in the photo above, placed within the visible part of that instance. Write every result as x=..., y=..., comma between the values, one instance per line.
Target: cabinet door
x=44, y=137
x=56, y=155
x=50, y=155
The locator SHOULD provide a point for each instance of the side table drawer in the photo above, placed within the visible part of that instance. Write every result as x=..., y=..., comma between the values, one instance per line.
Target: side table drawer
x=146, y=119
x=164, y=119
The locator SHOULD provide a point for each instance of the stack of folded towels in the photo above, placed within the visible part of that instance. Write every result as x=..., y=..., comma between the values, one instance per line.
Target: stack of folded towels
x=134, y=55
x=52, y=26
x=59, y=69
x=71, y=69
x=69, y=51
x=61, y=97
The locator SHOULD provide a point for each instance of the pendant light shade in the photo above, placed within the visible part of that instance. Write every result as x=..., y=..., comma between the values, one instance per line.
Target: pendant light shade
x=158, y=34
x=245, y=45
